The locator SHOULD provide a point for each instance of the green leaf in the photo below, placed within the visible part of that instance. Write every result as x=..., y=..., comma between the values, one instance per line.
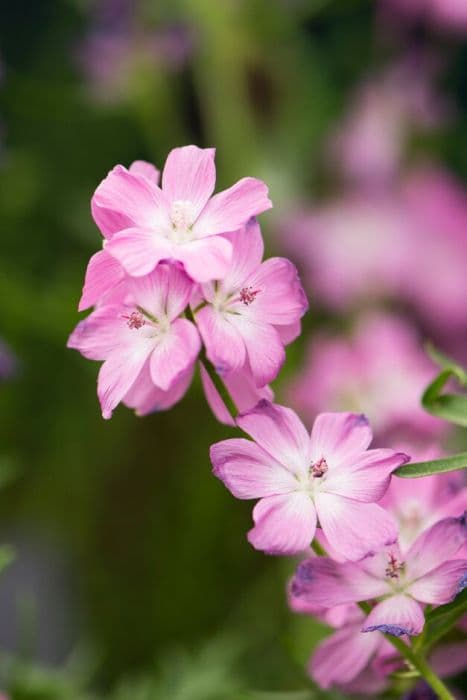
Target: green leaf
x=450, y=407
x=441, y=620
x=434, y=466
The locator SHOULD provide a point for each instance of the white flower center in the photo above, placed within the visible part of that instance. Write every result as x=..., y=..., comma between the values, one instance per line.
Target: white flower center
x=181, y=218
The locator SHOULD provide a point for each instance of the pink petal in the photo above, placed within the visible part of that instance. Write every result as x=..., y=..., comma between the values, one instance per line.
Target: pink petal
x=242, y=389
x=247, y=253
x=139, y=250
x=368, y=478
x=145, y=398
x=282, y=300
x=190, y=176
x=284, y=524
x=279, y=431
x=442, y=584
x=449, y=658
x=342, y=656
x=396, y=615
x=248, y=471
x=346, y=525
x=175, y=353
x=264, y=348
x=100, y=334
x=440, y=542
x=124, y=200
x=340, y=437
x=289, y=333
x=102, y=275
x=205, y=260
x=230, y=210
x=164, y=293
x=118, y=374
x=224, y=345
x=145, y=169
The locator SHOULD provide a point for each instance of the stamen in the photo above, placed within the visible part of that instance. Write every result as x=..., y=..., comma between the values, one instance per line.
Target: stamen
x=180, y=214
x=135, y=320
x=394, y=567
x=248, y=295
x=319, y=468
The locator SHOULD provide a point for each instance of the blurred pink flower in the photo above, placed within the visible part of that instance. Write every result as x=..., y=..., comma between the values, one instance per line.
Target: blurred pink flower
x=252, y=311
x=381, y=369
x=330, y=475
x=445, y=14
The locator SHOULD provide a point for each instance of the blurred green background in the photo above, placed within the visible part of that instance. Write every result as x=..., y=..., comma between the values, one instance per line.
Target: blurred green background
x=131, y=559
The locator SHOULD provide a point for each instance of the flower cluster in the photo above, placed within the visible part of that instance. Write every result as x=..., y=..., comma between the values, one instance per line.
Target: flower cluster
x=180, y=269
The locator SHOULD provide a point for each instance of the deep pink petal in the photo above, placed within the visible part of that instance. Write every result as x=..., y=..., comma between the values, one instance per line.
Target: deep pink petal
x=139, y=250
x=265, y=351
x=164, y=293
x=442, y=584
x=190, y=176
x=205, y=260
x=396, y=615
x=145, y=169
x=174, y=354
x=118, y=374
x=440, y=542
x=103, y=274
x=284, y=524
x=230, y=210
x=280, y=432
x=225, y=347
x=281, y=299
x=368, y=478
x=340, y=437
x=145, y=398
x=248, y=471
x=354, y=529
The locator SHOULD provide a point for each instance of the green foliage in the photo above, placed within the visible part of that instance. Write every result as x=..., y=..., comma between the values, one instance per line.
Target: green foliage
x=441, y=620
x=450, y=407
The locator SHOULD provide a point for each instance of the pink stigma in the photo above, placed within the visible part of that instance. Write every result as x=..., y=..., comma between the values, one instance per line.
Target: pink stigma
x=394, y=567
x=319, y=468
x=135, y=320
x=248, y=295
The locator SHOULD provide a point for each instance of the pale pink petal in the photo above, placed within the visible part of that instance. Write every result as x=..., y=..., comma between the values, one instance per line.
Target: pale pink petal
x=289, y=333
x=281, y=299
x=264, y=347
x=242, y=389
x=354, y=529
x=248, y=471
x=100, y=334
x=139, y=250
x=103, y=274
x=342, y=656
x=175, y=352
x=145, y=398
x=124, y=200
x=224, y=345
x=118, y=374
x=230, y=210
x=340, y=437
x=396, y=615
x=145, y=169
x=247, y=253
x=190, y=176
x=325, y=583
x=442, y=584
x=367, y=479
x=205, y=260
x=164, y=293
x=284, y=524
x=280, y=432
x=440, y=542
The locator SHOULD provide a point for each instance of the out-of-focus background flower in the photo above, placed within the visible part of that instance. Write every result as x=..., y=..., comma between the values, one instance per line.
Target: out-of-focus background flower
x=132, y=577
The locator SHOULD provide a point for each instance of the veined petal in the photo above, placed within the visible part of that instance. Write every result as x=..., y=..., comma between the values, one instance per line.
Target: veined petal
x=145, y=398
x=164, y=293
x=289, y=333
x=118, y=374
x=103, y=274
x=103, y=332
x=190, y=176
x=440, y=542
x=354, y=529
x=396, y=615
x=145, y=169
x=281, y=299
x=230, y=210
x=176, y=351
x=248, y=471
x=442, y=584
x=367, y=479
x=279, y=431
x=139, y=250
x=340, y=437
x=247, y=253
x=205, y=260
x=225, y=347
x=264, y=347
x=284, y=524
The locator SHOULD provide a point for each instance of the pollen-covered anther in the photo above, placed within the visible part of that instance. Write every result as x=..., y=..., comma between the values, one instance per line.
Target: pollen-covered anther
x=319, y=468
x=394, y=567
x=135, y=320
x=248, y=295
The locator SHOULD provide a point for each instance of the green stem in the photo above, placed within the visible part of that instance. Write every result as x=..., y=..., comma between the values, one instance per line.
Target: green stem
x=414, y=658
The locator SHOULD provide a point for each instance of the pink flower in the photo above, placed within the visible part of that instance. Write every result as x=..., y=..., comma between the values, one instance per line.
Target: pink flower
x=145, y=224
x=253, y=311
x=428, y=573
x=445, y=14
x=380, y=370
x=148, y=350
x=299, y=479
